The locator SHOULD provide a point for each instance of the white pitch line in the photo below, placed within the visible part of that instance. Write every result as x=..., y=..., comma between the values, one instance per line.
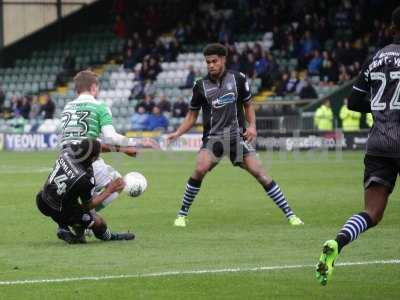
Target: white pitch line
x=190, y=272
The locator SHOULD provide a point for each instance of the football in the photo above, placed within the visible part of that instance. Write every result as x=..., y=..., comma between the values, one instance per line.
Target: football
x=136, y=184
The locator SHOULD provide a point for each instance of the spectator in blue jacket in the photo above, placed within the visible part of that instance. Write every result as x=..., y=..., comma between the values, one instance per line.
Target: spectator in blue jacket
x=156, y=120
x=314, y=66
x=139, y=119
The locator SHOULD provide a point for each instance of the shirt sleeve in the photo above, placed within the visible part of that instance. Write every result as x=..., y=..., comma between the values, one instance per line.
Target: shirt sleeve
x=84, y=188
x=362, y=83
x=105, y=116
x=195, y=103
x=243, y=88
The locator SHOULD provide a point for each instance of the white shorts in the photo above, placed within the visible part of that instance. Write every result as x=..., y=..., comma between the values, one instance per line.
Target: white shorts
x=103, y=174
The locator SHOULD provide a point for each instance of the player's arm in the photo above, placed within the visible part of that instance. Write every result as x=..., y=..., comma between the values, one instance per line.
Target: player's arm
x=114, y=186
x=90, y=202
x=251, y=131
x=130, y=151
x=112, y=138
x=191, y=116
x=244, y=96
x=188, y=122
x=359, y=97
x=359, y=101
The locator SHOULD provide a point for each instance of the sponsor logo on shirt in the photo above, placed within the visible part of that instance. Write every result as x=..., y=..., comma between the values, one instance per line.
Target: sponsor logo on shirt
x=224, y=100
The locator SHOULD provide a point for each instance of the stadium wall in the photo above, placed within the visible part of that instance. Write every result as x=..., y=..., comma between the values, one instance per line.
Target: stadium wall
x=74, y=21
x=23, y=17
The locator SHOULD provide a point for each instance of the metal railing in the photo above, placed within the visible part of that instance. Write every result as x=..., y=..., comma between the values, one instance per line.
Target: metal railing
x=284, y=124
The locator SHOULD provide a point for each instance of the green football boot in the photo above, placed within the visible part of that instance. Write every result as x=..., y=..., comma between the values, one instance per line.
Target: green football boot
x=326, y=262
x=295, y=221
x=180, y=221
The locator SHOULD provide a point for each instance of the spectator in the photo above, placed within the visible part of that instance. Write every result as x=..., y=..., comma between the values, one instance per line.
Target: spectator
x=180, y=108
x=35, y=107
x=315, y=64
x=190, y=78
x=307, y=46
x=261, y=66
x=48, y=107
x=350, y=119
x=281, y=85
x=156, y=120
x=68, y=68
x=164, y=105
x=344, y=76
x=129, y=60
x=2, y=99
x=69, y=63
x=171, y=51
x=249, y=66
x=16, y=106
x=148, y=104
x=140, y=52
x=149, y=88
x=329, y=71
x=154, y=69
x=235, y=63
x=25, y=108
x=119, y=27
x=291, y=84
x=308, y=91
x=139, y=119
x=348, y=54
x=323, y=118
x=339, y=52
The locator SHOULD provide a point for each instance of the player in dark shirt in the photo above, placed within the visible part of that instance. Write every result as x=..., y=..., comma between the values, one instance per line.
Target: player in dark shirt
x=67, y=195
x=376, y=90
x=225, y=98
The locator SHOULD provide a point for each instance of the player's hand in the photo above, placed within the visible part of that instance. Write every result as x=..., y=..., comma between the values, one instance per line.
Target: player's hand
x=250, y=134
x=130, y=151
x=150, y=143
x=171, y=137
x=116, y=185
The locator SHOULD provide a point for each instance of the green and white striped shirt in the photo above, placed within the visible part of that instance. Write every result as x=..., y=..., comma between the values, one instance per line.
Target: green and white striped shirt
x=84, y=118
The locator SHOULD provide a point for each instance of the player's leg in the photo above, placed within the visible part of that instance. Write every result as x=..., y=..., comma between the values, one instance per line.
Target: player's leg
x=379, y=180
x=63, y=231
x=102, y=232
x=253, y=165
x=103, y=175
x=205, y=162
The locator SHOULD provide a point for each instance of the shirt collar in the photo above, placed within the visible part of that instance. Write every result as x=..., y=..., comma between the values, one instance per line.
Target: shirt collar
x=220, y=80
x=86, y=97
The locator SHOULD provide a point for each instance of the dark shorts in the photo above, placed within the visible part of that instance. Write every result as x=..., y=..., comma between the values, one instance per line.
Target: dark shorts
x=381, y=170
x=235, y=148
x=70, y=215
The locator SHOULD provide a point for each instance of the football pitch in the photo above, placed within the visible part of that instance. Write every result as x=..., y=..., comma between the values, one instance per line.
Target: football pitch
x=238, y=245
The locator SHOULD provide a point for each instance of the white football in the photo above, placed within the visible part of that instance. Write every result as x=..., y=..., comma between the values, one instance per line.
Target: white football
x=135, y=184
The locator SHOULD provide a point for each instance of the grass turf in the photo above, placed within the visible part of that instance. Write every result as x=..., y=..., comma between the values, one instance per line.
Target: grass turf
x=232, y=225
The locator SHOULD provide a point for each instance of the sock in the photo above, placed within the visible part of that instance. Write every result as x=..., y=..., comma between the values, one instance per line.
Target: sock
x=273, y=190
x=354, y=226
x=107, y=201
x=192, y=188
x=102, y=233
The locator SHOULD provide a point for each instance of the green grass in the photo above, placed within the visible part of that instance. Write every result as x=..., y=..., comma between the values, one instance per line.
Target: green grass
x=232, y=225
